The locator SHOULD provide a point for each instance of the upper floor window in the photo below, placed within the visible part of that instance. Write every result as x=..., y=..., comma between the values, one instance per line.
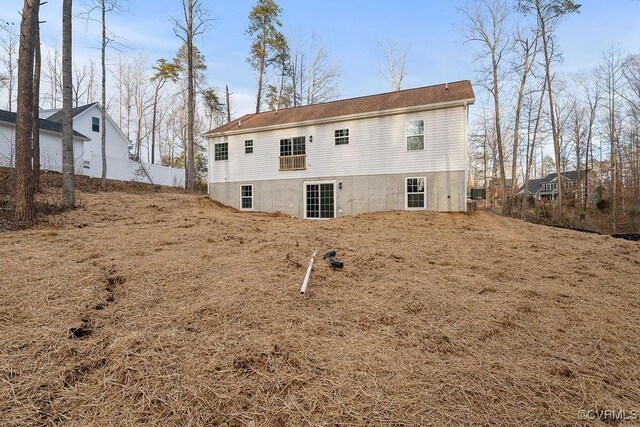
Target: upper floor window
x=292, y=146
x=221, y=151
x=342, y=136
x=248, y=146
x=415, y=135
x=95, y=124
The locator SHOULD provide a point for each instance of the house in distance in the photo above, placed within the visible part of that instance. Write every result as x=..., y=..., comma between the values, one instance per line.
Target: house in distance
x=391, y=151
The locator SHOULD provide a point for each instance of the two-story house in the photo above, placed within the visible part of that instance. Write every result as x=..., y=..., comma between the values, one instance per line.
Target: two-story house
x=573, y=181
x=87, y=120
x=391, y=151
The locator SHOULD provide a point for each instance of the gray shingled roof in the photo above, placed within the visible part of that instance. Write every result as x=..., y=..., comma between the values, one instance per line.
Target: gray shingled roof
x=45, y=124
x=570, y=175
x=534, y=185
x=57, y=116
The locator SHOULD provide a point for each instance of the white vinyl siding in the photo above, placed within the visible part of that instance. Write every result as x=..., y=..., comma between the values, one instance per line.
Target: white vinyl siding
x=50, y=150
x=376, y=146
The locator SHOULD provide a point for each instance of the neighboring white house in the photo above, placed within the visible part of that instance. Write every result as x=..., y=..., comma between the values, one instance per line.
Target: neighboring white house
x=50, y=144
x=87, y=120
x=392, y=151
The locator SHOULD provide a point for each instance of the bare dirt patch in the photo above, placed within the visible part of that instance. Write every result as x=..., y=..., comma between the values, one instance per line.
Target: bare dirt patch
x=434, y=319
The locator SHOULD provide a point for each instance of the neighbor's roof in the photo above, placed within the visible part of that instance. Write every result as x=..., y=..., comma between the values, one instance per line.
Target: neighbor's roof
x=534, y=185
x=437, y=94
x=45, y=124
x=57, y=117
x=570, y=175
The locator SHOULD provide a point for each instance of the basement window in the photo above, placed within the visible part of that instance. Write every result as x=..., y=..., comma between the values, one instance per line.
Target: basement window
x=415, y=193
x=248, y=146
x=95, y=124
x=246, y=197
x=221, y=151
x=342, y=136
x=415, y=135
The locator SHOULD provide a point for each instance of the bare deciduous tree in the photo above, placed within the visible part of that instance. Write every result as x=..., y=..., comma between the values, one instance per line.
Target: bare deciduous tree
x=192, y=25
x=526, y=49
x=9, y=47
x=395, y=59
x=487, y=25
x=547, y=14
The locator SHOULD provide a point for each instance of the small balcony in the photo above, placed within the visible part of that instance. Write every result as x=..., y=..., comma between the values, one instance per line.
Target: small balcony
x=293, y=163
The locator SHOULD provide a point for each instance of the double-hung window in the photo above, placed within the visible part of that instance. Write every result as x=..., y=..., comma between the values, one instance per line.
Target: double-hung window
x=221, y=151
x=246, y=197
x=341, y=136
x=248, y=146
x=415, y=135
x=415, y=193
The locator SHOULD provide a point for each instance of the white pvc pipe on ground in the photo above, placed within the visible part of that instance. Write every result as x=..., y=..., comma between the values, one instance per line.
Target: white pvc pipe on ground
x=303, y=289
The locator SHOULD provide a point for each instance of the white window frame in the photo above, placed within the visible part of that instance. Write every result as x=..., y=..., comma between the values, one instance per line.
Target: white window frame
x=343, y=137
x=407, y=136
x=215, y=153
x=250, y=142
x=241, y=197
x=406, y=193
x=304, y=197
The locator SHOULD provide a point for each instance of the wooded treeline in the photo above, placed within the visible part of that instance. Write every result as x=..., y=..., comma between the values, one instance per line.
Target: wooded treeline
x=142, y=93
x=534, y=120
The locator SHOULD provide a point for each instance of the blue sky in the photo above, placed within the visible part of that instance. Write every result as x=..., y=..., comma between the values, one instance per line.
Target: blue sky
x=350, y=29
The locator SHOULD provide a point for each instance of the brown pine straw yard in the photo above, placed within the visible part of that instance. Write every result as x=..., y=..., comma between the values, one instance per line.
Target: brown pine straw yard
x=160, y=308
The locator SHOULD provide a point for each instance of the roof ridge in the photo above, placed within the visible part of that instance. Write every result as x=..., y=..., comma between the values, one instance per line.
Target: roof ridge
x=365, y=96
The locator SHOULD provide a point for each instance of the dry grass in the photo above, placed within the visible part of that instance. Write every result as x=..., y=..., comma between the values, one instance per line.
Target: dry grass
x=188, y=313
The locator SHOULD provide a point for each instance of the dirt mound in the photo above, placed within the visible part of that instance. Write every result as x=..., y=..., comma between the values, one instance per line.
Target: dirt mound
x=165, y=309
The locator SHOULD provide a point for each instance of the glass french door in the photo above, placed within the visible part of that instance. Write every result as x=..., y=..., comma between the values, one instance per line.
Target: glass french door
x=320, y=200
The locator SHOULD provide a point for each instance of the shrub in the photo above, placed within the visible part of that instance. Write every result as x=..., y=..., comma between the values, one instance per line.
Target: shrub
x=603, y=204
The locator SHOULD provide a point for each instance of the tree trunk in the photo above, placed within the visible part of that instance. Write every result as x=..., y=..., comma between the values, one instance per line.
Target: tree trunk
x=516, y=127
x=68, y=190
x=554, y=129
x=24, y=201
x=103, y=120
x=228, y=103
x=153, y=126
x=529, y=160
x=496, y=106
x=37, y=68
x=190, y=169
x=261, y=70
